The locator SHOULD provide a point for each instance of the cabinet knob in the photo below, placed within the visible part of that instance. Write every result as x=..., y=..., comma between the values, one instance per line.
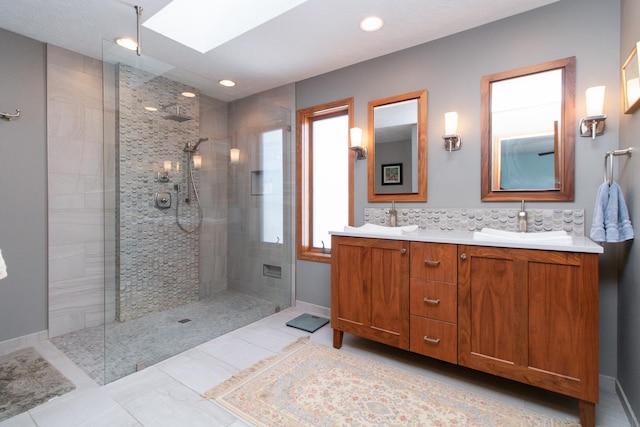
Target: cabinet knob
x=463, y=256
x=403, y=251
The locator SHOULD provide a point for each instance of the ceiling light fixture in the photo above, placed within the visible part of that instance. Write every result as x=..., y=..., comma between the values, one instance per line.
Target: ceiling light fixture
x=371, y=23
x=227, y=83
x=127, y=43
x=187, y=94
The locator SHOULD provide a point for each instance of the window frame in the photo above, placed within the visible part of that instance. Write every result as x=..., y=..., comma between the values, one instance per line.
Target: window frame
x=304, y=169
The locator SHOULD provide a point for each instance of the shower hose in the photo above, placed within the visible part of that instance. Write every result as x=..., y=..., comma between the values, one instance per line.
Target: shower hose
x=190, y=181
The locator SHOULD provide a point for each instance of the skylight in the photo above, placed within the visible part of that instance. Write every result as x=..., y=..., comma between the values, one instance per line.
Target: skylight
x=205, y=24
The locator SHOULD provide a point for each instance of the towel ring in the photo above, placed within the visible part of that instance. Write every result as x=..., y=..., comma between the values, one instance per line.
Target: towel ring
x=608, y=167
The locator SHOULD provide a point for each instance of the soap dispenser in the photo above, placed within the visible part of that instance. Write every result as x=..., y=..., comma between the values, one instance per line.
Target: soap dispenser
x=394, y=215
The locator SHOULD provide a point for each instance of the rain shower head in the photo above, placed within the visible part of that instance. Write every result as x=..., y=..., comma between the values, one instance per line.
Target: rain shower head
x=175, y=113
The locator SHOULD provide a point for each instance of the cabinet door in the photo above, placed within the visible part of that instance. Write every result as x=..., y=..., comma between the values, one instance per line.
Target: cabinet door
x=531, y=316
x=370, y=289
x=389, y=286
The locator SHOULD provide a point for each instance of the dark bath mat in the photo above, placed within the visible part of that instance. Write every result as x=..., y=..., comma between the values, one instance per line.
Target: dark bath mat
x=308, y=322
x=26, y=381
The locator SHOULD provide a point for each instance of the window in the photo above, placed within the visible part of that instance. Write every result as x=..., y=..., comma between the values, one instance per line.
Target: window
x=324, y=177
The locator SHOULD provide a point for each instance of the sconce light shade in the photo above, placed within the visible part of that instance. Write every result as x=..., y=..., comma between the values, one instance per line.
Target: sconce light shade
x=234, y=156
x=355, y=135
x=595, y=100
x=450, y=123
x=197, y=162
x=452, y=140
x=593, y=125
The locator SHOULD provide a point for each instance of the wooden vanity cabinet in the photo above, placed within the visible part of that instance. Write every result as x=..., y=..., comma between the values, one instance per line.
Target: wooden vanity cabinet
x=369, y=289
x=522, y=314
x=531, y=316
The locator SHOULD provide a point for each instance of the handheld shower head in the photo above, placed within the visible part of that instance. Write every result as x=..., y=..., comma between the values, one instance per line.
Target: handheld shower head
x=192, y=148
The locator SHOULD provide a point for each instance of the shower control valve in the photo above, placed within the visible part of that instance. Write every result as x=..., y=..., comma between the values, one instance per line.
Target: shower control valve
x=163, y=200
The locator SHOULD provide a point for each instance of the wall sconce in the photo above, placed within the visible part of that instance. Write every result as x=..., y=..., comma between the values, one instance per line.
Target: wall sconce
x=164, y=175
x=197, y=162
x=355, y=135
x=593, y=124
x=234, y=156
x=452, y=140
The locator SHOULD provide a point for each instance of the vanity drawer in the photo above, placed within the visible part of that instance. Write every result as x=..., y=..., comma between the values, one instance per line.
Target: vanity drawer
x=437, y=300
x=434, y=338
x=434, y=261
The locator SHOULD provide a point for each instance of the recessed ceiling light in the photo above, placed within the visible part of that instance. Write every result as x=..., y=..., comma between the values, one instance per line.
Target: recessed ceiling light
x=227, y=83
x=151, y=108
x=188, y=94
x=127, y=43
x=371, y=23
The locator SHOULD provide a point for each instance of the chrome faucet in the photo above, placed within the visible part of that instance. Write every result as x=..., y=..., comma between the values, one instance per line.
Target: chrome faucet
x=522, y=219
x=394, y=215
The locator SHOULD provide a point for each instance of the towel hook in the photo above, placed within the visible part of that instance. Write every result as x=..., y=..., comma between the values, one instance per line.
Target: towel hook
x=608, y=167
x=8, y=116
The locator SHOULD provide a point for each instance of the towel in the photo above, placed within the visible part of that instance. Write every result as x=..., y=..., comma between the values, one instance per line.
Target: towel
x=597, y=226
x=617, y=223
x=3, y=267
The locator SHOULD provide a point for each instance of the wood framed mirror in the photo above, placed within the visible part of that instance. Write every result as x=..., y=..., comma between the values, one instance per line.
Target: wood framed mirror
x=397, y=145
x=528, y=133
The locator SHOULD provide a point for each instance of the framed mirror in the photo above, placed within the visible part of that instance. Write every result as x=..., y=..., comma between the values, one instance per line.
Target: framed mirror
x=528, y=133
x=397, y=162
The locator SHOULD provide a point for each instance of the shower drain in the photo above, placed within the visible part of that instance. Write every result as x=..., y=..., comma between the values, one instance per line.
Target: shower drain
x=184, y=321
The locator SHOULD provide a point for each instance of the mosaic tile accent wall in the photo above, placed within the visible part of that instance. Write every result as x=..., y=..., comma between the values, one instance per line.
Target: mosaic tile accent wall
x=157, y=262
x=569, y=220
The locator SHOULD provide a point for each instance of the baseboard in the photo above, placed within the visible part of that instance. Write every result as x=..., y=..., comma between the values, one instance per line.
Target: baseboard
x=313, y=309
x=628, y=410
x=18, y=343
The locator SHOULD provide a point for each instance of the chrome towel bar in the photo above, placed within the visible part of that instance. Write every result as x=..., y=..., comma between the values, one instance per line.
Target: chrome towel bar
x=608, y=162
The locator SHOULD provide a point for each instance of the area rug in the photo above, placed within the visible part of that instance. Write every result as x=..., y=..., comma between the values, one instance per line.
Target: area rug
x=26, y=381
x=310, y=384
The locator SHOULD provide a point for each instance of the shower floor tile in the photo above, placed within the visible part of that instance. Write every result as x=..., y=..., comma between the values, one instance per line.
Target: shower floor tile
x=150, y=339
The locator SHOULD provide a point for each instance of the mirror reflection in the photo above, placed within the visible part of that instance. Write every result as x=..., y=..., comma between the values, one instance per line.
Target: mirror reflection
x=397, y=168
x=527, y=139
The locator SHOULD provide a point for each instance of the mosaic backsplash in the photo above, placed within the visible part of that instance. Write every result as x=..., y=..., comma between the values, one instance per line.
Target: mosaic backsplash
x=569, y=220
x=157, y=262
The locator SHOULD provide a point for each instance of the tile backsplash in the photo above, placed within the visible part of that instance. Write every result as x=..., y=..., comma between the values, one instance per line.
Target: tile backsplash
x=459, y=219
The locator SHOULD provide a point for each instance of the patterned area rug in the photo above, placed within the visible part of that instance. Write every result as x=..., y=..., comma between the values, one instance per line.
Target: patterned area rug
x=26, y=381
x=310, y=384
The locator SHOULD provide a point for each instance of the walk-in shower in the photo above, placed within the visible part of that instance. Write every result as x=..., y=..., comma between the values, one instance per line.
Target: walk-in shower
x=166, y=290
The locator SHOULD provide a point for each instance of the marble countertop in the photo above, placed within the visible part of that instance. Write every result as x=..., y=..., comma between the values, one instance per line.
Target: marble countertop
x=578, y=244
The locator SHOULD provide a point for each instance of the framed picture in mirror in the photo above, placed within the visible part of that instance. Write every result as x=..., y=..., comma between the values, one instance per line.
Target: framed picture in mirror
x=392, y=174
x=631, y=81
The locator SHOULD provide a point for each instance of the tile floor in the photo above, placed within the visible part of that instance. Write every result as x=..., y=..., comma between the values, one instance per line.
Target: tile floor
x=170, y=392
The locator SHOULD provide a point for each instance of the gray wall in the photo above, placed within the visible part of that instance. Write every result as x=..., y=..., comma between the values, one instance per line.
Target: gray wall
x=450, y=69
x=629, y=254
x=23, y=187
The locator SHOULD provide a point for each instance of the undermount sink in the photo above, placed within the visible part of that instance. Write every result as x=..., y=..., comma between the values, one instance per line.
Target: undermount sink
x=381, y=229
x=493, y=235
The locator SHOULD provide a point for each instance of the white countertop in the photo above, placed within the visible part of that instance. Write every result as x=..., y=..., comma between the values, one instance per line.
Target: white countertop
x=579, y=244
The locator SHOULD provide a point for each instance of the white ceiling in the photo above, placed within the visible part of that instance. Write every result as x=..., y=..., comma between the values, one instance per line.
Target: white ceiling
x=314, y=38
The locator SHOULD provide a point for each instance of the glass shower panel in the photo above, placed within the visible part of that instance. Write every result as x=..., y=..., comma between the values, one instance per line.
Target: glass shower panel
x=166, y=228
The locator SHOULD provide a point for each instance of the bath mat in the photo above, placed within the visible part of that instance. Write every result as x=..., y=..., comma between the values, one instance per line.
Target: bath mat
x=308, y=322
x=310, y=384
x=26, y=381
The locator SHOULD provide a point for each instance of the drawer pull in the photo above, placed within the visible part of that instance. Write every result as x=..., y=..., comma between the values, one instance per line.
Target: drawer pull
x=431, y=263
x=431, y=301
x=431, y=340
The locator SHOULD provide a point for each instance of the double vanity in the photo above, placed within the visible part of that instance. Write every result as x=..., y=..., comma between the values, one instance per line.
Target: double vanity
x=519, y=307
